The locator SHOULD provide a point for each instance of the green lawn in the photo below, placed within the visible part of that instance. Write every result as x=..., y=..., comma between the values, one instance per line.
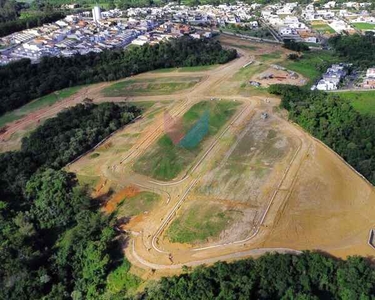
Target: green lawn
x=38, y=104
x=323, y=28
x=136, y=205
x=364, y=26
x=166, y=160
x=199, y=223
x=363, y=102
x=312, y=64
x=150, y=87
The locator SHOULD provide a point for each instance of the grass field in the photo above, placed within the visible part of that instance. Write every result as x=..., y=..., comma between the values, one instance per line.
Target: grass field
x=363, y=102
x=165, y=160
x=323, y=28
x=364, y=26
x=270, y=56
x=200, y=222
x=309, y=65
x=132, y=206
x=38, y=104
x=150, y=87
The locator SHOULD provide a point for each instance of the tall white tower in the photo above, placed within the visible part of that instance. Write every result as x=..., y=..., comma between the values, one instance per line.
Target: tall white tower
x=96, y=14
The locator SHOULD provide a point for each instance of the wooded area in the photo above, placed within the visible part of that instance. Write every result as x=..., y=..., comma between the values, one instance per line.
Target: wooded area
x=273, y=276
x=22, y=81
x=356, y=49
x=54, y=241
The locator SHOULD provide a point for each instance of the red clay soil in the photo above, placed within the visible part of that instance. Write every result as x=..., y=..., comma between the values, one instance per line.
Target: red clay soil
x=128, y=192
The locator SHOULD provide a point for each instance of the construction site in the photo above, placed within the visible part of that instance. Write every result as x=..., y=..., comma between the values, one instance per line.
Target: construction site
x=215, y=171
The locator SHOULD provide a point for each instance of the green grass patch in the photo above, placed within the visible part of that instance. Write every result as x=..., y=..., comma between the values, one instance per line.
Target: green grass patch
x=138, y=204
x=150, y=87
x=165, y=160
x=363, y=102
x=270, y=56
x=323, y=28
x=38, y=104
x=364, y=26
x=244, y=74
x=200, y=223
x=90, y=181
x=94, y=155
x=312, y=64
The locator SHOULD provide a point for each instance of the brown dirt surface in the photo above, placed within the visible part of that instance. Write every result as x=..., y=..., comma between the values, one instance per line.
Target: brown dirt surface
x=128, y=192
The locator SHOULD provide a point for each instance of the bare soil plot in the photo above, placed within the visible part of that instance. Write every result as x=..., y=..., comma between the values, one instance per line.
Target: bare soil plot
x=274, y=76
x=151, y=86
x=330, y=208
x=232, y=195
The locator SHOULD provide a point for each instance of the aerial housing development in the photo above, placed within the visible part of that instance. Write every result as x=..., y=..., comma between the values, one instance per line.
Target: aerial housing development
x=169, y=150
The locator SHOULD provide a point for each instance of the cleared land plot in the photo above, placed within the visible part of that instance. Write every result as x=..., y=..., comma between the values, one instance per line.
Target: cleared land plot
x=363, y=102
x=364, y=26
x=323, y=28
x=330, y=208
x=38, y=104
x=234, y=192
x=274, y=76
x=166, y=160
x=150, y=86
x=239, y=82
x=138, y=204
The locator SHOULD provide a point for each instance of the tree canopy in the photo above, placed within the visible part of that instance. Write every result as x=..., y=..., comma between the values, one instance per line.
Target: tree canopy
x=273, y=276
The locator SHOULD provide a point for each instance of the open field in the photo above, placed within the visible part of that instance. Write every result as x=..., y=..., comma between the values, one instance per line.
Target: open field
x=168, y=158
x=38, y=104
x=363, y=26
x=362, y=101
x=150, y=87
x=252, y=186
x=323, y=28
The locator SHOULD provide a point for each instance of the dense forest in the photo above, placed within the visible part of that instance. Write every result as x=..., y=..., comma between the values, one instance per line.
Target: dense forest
x=357, y=49
x=54, y=243
x=9, y=10
x=30, y=21
x=22, y=81
x=335, y=122
x=310, y=276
